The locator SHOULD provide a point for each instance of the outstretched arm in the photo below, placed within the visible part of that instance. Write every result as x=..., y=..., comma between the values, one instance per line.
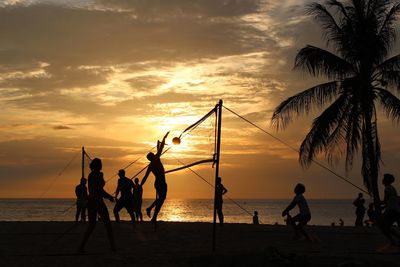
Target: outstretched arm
x=146, y=175
x=160, y=145
x=290, y=207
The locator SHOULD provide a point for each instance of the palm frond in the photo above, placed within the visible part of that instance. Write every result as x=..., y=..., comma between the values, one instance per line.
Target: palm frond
x=335, y=146
x=316, y=140
x=353, y=133
x=319, y=62
x=390, y=104
x=388, y=72
x=387, y=31
x=389, y=64
x=321, y=14
x=302, y=103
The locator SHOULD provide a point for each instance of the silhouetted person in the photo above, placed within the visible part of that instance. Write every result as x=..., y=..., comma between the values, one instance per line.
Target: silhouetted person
x=371, y=215
x=220, y=191
x=255, y=218
x=125, y=186
x=300, y=220
x=392, y=210
x=157, y=168
x=360, y=209
x=81, y=200
x=341, y=222
x=96, y=205
x=137, y=200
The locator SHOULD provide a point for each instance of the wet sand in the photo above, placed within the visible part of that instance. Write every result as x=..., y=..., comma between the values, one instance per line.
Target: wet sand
x=190, y=244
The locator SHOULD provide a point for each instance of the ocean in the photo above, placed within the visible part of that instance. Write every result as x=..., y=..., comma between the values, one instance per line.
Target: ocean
x=324, y=212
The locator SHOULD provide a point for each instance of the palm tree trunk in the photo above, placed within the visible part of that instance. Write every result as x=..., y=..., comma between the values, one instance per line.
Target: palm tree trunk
x=371, y=162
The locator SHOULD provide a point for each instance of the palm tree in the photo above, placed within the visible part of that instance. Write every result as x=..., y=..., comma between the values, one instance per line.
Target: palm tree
x=360, y=34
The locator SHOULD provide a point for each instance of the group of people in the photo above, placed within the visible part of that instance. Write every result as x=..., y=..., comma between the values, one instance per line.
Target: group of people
x=131, y=200
x=92, y=197
x=385, y=220
x=359, y=203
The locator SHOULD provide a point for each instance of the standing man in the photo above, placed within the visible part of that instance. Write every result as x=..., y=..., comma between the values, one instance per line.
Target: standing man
x=137, y=200
x=125, y=186
x=220, y=191
x=81, y=200
x=360, y=209
x=157, y=168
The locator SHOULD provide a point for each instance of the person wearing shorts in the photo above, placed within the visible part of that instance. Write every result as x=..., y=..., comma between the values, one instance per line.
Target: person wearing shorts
x=300, y=220
x=125, y=186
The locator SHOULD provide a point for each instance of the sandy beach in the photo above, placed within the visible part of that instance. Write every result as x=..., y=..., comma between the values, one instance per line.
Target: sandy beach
x=189, y=244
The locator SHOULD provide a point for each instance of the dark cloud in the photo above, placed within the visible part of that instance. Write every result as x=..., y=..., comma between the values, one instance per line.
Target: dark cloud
x=89, y=37
x=62, y=127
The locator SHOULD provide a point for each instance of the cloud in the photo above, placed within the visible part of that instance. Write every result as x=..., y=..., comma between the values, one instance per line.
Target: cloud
x=62, y=127
x=205, y=8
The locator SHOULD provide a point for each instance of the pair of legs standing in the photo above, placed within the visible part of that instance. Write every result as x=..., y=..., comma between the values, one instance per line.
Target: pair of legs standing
x=218, y=207
x=161, y=190
x=97, y=208
x=81, y=205
x=126, y=203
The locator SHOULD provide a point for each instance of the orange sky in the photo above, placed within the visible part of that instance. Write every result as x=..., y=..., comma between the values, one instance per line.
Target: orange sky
x=114, y=76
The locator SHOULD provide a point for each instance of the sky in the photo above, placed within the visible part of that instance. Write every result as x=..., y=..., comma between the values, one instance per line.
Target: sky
x=115, y=75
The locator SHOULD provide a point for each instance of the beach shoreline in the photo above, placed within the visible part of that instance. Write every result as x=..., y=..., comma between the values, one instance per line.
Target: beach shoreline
x=190, y=244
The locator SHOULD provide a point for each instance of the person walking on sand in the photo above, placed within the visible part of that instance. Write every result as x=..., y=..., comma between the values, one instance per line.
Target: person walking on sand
x=360, y=209
x=125, y=186
x=81, y=200
x=220, y=190
x=392, y=210
x=157, y=168
x=255, y=218
x=299, y=221
x=96, y=205
x=137, y=200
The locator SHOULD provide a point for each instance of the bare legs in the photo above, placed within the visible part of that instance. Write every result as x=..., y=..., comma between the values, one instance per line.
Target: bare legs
x=101, y=209
x=161, y=196
x=220, y=215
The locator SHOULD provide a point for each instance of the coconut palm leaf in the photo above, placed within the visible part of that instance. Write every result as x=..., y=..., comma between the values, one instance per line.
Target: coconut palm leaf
x=362, y=33
x=301, y=103
x=390, y=104
x=332, y=30
x=319, y=62
x=317, y=139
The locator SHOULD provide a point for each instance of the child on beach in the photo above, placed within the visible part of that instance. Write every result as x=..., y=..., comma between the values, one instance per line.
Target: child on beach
x=255, y=218
x=300, y=220
x=360, y=209
x=96, y=205
x=392, y=210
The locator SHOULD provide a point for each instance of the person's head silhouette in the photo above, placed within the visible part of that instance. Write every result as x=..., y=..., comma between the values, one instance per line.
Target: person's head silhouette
x=299, y=189
x=96, y=164
x=121, y=173
x=388, y=179
x=150, y=156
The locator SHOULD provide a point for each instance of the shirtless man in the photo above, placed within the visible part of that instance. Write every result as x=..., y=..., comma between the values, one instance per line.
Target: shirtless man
x=157, y=168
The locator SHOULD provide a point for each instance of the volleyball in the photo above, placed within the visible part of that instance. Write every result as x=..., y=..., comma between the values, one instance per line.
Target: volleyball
x=176, y=140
